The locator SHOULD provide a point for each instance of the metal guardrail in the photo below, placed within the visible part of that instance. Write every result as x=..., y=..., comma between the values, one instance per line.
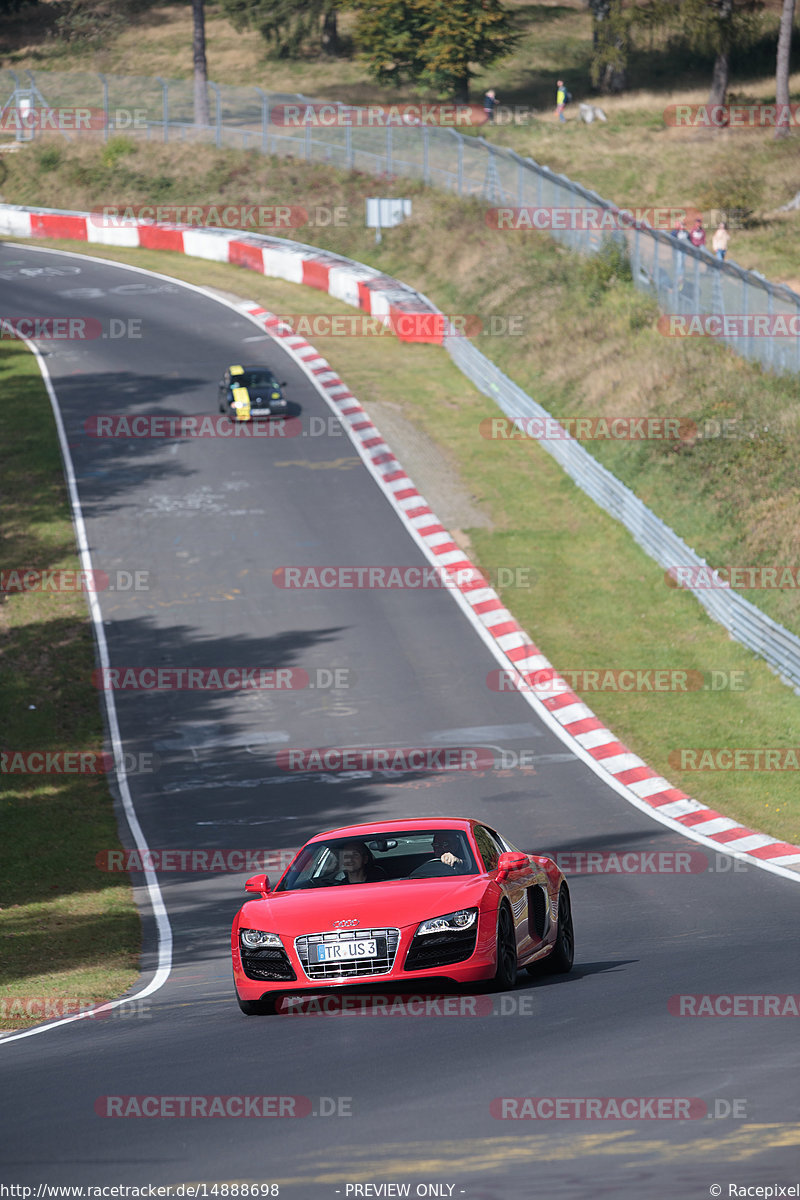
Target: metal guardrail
x=684, y=280
x=744, y=621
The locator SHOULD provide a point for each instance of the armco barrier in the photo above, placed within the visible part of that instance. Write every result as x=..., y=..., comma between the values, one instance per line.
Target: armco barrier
x=363, y=287
x=683, y=280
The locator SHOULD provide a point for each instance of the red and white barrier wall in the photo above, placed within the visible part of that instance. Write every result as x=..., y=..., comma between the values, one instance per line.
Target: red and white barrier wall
x=383, y=297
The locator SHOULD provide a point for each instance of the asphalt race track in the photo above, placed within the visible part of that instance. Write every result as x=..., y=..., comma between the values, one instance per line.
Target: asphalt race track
x=395, y=1100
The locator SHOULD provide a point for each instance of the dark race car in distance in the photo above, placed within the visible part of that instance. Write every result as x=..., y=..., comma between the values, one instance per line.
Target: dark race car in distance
x=246, y=393
x=400, y=903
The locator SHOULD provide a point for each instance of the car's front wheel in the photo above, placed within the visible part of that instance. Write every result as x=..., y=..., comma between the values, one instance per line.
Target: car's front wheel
x=505, y=975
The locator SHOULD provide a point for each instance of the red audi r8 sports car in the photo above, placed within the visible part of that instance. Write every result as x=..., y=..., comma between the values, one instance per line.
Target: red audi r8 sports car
x=400, y=902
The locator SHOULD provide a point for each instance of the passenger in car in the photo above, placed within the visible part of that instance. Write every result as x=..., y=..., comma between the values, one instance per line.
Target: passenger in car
x=357, y=865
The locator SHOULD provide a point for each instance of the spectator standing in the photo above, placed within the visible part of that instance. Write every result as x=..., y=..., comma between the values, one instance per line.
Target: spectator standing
x=698, y=235
x=489, y=105
x=561, y=99
x=680, y=232
x=721, y=241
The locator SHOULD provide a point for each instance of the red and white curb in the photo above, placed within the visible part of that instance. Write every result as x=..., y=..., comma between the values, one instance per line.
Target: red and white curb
x=548, y=694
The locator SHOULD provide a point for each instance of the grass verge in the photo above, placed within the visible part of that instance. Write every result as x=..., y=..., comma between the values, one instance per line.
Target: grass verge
x=597, y=601
x=69, y=933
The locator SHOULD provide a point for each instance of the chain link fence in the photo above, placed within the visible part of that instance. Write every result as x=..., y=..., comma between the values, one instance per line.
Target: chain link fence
x=743, y=620
x=758, y=319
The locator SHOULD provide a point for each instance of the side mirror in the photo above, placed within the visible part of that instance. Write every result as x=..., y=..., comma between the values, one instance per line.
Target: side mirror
x=259, y=884
x=283, y=383
x=512, y=860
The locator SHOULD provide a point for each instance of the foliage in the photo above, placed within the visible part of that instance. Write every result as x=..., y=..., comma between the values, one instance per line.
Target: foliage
x=432, y=43
x=735, y=192
x=287, y=25
x=720, y=26
x=94, y=22
x=611, y=27
x=604, y=270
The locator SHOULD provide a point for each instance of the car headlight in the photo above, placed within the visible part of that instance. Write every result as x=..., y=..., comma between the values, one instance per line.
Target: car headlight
x=257, y=937
x=452, y=922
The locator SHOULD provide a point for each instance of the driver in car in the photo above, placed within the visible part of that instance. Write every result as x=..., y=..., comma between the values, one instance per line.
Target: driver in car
x=445, y=848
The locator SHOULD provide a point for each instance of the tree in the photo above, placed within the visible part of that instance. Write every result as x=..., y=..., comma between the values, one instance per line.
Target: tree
x=434, y=43
x=201, y=114
x=718, y=27
x=782, y=128
x=288, y=25
x=611, y=41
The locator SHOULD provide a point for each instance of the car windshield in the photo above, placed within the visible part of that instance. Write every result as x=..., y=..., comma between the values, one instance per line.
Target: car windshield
x=395, y=857
x=264, y=379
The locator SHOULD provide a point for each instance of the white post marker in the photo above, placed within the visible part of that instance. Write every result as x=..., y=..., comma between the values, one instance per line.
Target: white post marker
x=386, y=213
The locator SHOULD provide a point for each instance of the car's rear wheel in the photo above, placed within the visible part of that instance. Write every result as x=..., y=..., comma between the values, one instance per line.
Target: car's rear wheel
x=561, y=957
x=259, y=1008
x=505, y=975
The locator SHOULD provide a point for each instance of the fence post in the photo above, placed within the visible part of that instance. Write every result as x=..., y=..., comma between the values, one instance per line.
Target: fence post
x=218, y=122
x=104, y=82
x=264, y=119
x=388, y=150
x=164, y=105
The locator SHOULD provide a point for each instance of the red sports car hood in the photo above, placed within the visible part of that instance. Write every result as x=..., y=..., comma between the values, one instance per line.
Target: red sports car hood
x=371, y=904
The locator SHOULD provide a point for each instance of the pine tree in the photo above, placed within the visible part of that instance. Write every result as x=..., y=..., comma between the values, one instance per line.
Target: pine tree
x=288, y=25
x=433, y=43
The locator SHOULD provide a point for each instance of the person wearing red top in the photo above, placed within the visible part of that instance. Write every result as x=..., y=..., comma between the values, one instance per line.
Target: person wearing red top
x=698, y=234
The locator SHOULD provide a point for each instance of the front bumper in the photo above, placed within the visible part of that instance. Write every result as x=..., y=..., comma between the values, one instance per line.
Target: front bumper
x=414, y=960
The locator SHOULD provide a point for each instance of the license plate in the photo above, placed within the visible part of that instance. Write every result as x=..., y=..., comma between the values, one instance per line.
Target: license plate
x=346, y=951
